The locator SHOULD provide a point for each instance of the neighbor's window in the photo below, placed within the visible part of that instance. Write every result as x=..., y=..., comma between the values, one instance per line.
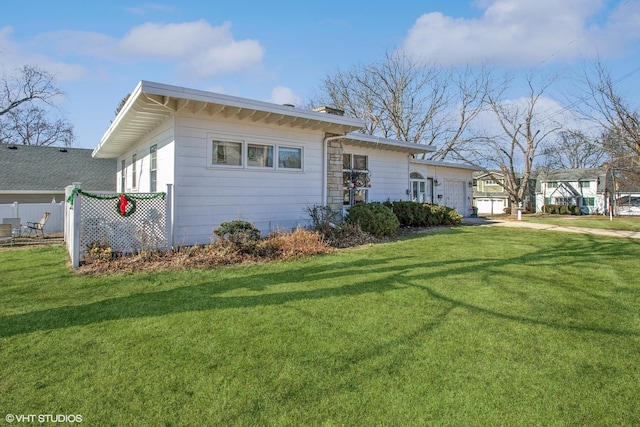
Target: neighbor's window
x=585, y=184
x=153, y=168
x=552, y=184
x=589, y=201
x=134, y=180
x=289, y=158
x=259, y=155
x=227, y=153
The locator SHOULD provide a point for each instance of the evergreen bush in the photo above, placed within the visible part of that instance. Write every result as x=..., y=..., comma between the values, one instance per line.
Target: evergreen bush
x=374, y=218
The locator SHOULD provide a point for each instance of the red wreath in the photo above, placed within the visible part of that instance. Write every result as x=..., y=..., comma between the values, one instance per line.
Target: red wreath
x=126, y=205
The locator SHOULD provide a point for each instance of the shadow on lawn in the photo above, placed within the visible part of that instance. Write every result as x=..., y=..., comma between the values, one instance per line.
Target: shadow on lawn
x=204, y=296
x=389, y=273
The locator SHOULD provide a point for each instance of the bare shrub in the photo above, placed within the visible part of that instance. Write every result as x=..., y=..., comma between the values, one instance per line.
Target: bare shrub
x=291, y=245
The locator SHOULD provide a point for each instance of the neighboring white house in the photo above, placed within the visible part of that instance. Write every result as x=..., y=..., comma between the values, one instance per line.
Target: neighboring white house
x=591, y=189
x=233, y=158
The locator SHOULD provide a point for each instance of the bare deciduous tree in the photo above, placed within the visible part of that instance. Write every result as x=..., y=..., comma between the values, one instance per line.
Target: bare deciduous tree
x=31, y=125
x=573, y=149
x=31, y=84
x=610, y=109
x=514, y=148
x=23, y=116
x=411, y=101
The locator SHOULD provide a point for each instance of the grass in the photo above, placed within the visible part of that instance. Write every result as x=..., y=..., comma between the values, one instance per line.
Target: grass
x=474, y=326
x=625, y=223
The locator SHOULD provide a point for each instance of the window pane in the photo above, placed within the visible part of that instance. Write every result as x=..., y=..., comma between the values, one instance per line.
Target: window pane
x=359, y=162
x=346, y=161
x=152, y=181
x=260, y=155
x=153, y=150
x=290, y=158
x=360, y=196
x=227, y=153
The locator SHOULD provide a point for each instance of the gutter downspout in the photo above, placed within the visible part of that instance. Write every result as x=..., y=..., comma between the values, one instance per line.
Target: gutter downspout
x=325, y=149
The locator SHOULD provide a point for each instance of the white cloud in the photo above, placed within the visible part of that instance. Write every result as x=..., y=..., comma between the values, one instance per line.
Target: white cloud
x=196, y=48
x=12, y=57
x=517, y=32
x=284, y=95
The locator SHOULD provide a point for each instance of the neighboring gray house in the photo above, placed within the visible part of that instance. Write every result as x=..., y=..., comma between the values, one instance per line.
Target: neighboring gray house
x=489, y=196
x=591, y=189
x=37, y=174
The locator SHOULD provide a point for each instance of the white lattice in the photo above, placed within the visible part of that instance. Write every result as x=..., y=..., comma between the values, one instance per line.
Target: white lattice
x=101, y=223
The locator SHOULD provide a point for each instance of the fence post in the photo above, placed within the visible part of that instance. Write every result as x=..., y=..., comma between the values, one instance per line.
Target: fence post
x=74, y=221
x=169, y=217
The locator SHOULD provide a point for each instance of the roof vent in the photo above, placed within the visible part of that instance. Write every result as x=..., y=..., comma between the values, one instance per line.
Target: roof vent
x=329, y=110
x=12, y=147
x=289, y=105
x=62, y=150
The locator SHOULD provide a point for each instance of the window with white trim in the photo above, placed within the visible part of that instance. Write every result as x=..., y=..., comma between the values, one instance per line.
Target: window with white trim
x=356, y=179
x=123, y=175
x=153, y=168
x=134, y=180
x=289, y=158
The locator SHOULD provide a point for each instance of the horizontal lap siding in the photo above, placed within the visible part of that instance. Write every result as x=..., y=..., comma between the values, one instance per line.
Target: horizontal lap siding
x=388, y=172
x=205, y=196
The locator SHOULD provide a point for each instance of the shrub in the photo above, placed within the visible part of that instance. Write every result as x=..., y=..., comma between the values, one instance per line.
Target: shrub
x=410, y=214
x=297, y=244
x=349, y=235
x=323, y=219
x=443, y=215
x=241, y=235
x=374, y=218
x=561, y=209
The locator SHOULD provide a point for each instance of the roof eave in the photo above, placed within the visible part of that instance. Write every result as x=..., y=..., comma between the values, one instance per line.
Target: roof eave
x=152, y=103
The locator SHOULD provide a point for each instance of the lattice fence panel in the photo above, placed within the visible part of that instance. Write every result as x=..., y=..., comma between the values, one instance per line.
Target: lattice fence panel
x=144, y=229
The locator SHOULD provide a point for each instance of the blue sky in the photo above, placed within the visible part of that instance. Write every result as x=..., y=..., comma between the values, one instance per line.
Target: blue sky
x=280, y=51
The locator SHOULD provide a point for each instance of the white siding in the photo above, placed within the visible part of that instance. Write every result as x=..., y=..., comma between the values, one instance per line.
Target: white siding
x=163, y=137
x=452, y=188
x=389, y=173
x=206, y=196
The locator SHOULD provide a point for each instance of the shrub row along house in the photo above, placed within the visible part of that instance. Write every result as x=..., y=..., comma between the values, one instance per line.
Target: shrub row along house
x=229, y=158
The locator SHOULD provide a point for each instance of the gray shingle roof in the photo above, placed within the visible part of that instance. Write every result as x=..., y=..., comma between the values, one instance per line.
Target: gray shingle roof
x=36, y=168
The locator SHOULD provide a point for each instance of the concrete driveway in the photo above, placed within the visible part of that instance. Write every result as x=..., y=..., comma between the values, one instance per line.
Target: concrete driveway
x=549, y=227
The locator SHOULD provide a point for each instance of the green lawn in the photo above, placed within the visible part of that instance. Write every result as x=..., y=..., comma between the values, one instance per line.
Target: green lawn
x=474, y=326
x=590, y=221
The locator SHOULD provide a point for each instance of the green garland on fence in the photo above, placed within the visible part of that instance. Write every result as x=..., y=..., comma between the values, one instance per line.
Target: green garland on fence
x=126, y=204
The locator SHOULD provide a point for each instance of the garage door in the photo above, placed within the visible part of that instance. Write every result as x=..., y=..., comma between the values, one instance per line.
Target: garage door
x=454, y=196
x=490, y=206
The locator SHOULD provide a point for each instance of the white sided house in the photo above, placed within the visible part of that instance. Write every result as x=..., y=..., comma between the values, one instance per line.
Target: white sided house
x=442, y=183
x=590, y=189
x=229, y=158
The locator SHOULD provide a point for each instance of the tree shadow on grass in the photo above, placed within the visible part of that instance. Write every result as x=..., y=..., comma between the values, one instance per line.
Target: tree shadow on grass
x=208, y=295
x=364, y=275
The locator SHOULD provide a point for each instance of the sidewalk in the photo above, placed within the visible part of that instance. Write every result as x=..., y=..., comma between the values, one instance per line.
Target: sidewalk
x=550, y=227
